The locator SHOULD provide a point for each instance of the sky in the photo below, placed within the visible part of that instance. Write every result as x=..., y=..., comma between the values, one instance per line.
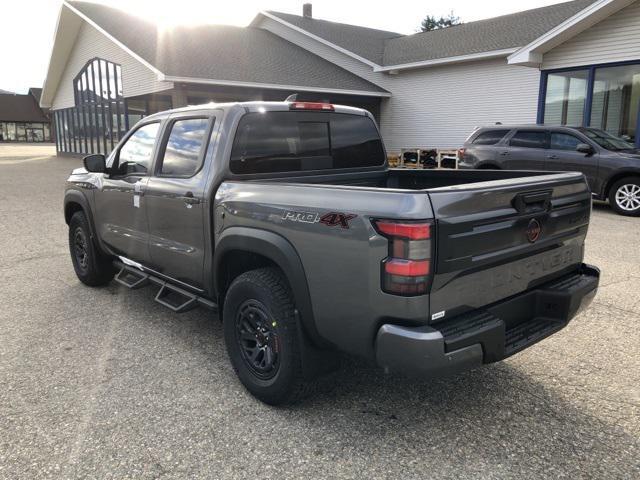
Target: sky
x=27, y=26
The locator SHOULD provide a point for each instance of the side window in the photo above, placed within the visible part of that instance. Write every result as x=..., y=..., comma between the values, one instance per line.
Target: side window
x=529, y=139
x=182, y=154
x=564, y=141
x=489, y=137
x=135, y=154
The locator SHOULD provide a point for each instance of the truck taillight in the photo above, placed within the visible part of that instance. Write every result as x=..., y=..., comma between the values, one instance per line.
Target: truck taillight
x=311, y=106
x=407, y=269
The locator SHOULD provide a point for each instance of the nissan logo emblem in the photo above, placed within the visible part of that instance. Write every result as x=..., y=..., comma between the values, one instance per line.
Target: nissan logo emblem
x=533, y=231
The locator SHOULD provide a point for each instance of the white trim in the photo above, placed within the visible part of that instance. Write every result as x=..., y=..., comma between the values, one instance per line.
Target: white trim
x=446, y=60
x=113, y=39
x=274, y=86
x=320, y=39
x=42, y=103
x=531, y=54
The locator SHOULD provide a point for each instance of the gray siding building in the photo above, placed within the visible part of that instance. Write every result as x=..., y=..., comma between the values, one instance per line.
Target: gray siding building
x=571, y=63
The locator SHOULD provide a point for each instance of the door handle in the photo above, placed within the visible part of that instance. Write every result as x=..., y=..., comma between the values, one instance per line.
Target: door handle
x=505, y=153
x=552, y=157
x=189, y=199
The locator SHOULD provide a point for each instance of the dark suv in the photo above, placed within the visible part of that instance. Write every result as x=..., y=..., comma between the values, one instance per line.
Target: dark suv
x=611, y=164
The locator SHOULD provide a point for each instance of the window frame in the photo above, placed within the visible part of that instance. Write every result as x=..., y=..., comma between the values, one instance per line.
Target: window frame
x=569, y=133
x=542, y=92
x=506, y=131
x=516, y=130
x=304, y=173
x=154, y=151
x=162, y=147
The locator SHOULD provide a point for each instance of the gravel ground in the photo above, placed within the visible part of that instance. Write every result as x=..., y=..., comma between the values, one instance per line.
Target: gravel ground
x=106, y=383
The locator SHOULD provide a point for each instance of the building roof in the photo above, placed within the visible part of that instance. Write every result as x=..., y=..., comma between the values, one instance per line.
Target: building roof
x=5, y=91
x=223, y=53
x=35, y=93
x=366, y=42
x=493, y=34
x=20, y=108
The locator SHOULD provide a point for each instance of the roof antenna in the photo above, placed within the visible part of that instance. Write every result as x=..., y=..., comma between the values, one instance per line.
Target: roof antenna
x=291, y=98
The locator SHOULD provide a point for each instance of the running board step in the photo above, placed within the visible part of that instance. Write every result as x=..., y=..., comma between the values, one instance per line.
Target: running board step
x=171, y=296
x=131, y=278
x=176, y=299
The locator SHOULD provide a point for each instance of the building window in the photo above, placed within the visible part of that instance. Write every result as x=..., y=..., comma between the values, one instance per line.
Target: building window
x=98, y=120
x=616, y=94
x=566, y=96
x=599, y=96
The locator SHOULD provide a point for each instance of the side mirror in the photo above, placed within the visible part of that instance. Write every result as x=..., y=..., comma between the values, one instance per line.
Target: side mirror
x=95, y=163
x=584, y=148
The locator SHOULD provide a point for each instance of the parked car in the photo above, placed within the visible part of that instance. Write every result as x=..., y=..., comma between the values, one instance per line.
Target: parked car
x=286, y=218
x=611, y=164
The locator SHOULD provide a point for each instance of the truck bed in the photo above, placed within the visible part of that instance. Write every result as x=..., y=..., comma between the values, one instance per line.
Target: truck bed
x=407, y=179
x=480, y=221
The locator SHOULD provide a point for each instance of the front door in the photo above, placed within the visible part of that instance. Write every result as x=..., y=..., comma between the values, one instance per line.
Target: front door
x=120, y=212
x=176, y=205
x=562, y=156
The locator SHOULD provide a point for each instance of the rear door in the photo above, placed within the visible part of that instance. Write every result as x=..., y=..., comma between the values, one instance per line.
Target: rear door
x=175, y=199
x=524, y=150
x=484, y=148
x=496, y=239
x=562, y=156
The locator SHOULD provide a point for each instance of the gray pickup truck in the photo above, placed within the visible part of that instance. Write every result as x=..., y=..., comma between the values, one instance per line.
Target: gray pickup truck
x=285, y=217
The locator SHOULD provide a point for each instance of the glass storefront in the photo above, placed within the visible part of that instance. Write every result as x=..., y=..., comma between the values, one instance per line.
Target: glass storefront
x=24, y=132
x=101, y=115
x=605, y=97
x=99, y=119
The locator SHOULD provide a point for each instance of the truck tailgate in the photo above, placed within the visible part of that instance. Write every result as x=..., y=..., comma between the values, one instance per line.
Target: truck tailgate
x=497, y=239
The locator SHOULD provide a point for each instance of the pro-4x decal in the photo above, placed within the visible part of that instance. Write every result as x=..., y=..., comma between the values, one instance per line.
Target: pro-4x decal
x=333, y=219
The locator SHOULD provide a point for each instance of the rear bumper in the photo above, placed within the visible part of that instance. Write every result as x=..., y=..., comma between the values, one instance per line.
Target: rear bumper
x=490, y=334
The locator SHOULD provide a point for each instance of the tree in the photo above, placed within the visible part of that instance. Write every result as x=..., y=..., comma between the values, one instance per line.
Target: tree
x=432, y=23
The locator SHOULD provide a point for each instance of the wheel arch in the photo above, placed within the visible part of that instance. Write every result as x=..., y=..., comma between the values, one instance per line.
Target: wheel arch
x=75, y=201
x=258, y=248
x=616, y=177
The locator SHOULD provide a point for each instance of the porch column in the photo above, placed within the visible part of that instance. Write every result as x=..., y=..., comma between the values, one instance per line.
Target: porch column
x=178, y=97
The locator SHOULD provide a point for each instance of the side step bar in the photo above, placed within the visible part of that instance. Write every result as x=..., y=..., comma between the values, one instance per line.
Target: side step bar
x=171, y=296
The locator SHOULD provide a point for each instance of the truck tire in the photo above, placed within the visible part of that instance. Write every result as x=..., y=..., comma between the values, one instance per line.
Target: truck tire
x=261, y=335
x=624, y=196
x=92, y=267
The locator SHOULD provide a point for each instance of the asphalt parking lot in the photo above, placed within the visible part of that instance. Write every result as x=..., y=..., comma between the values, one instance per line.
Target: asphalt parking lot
x=106, y=383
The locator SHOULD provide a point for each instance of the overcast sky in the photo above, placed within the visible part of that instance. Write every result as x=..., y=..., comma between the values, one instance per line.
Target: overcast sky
x=27, y=26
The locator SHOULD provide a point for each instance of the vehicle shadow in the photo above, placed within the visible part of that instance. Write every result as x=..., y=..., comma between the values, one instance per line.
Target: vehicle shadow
x=496, y=418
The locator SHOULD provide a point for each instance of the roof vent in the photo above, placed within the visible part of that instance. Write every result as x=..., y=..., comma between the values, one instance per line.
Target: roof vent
x=306, y=10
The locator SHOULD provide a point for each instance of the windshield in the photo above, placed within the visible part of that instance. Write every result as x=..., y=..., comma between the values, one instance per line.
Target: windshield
x=606, y=140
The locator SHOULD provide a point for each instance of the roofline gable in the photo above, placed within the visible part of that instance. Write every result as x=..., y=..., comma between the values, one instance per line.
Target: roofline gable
x=274, y=86
x=315, y=37
x=61, y=36
x=531, y=55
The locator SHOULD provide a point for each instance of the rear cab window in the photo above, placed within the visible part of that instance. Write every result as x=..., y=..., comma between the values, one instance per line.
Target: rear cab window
x=276, y=142
x=490, y=137
x=529, y=139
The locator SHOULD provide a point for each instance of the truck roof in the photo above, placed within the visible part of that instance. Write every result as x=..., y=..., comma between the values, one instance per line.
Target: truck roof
x=255, y=106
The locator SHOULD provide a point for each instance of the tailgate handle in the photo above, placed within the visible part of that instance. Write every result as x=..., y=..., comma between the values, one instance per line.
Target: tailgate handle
x=532, y=202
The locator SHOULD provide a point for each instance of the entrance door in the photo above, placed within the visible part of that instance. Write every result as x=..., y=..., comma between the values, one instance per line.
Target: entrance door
x=175, y=199
x=121, y=217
